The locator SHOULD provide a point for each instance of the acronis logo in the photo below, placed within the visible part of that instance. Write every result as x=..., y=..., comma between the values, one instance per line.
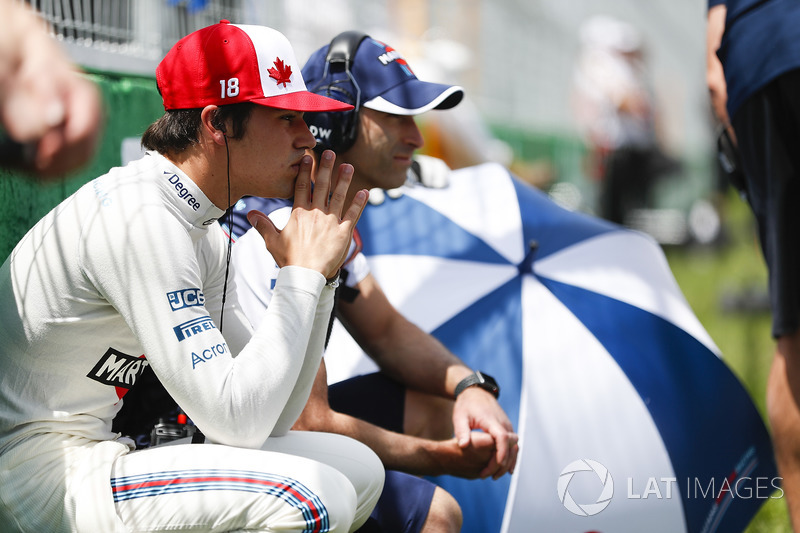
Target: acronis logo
x=185, y=298
x=193, y=327
x=208, y=354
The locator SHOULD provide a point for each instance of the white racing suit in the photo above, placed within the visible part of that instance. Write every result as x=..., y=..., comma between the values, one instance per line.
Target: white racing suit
x=129, y=272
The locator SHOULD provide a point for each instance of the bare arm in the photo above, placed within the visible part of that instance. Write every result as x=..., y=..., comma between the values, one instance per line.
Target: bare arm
x=400, y=348
x=419, y=361
x=715, y=77
x=398, y=452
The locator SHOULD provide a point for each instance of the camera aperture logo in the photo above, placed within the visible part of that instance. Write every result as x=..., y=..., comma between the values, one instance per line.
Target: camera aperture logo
x=566, y=478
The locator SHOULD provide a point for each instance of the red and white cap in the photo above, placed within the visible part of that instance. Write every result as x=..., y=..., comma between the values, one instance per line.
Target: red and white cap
x=231, y=63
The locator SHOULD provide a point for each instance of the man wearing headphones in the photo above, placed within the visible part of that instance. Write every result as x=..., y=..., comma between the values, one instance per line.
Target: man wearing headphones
x=406, y=412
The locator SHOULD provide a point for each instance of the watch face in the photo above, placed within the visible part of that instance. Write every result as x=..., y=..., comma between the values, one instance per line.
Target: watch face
x=486, y=378
x=487, y=382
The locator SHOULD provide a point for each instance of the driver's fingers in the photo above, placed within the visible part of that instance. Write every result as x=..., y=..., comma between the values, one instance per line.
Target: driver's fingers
x=322, y=180
x=344, y=178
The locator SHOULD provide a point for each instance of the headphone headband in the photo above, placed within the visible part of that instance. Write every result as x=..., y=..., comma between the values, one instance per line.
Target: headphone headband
x=342, y=127
x=343, y=47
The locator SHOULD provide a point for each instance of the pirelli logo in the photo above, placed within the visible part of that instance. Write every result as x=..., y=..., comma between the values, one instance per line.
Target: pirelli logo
x=193, y=327
x=118, y=369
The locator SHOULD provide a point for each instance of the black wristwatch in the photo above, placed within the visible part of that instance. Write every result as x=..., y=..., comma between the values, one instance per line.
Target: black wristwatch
x=478, y=379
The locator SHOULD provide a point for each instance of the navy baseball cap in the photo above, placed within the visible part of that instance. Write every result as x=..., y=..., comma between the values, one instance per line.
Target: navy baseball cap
x=383, y=81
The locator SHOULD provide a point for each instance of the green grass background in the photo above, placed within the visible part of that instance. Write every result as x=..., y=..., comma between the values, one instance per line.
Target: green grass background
x=710, y=277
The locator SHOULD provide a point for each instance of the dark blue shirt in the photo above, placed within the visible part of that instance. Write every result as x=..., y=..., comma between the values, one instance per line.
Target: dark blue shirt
x=761, y=42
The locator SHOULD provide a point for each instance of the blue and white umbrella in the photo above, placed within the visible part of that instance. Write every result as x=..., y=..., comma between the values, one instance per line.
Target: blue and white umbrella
x=629, y=420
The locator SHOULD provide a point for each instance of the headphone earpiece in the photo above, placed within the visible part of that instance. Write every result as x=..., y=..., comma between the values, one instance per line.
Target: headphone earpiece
x=219, y=124
x=338, y=131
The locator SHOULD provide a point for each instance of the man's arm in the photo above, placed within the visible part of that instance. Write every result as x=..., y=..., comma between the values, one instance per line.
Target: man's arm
x=419, y=361
x=405, y=453
x=43, y=99
x=240, y=398
x=400, y=348
x=305, y=223
x=715, y=77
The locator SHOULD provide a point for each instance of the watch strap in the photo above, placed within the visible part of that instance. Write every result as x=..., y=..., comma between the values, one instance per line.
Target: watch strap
x=478, y=379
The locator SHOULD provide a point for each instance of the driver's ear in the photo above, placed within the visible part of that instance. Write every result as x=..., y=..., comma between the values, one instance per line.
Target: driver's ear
x=213, y=124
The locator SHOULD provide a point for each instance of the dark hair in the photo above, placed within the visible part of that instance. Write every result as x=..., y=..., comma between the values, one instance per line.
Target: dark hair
x=177, y=129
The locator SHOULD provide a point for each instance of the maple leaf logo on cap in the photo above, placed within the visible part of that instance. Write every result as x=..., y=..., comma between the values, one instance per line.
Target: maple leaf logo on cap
x=282, y=73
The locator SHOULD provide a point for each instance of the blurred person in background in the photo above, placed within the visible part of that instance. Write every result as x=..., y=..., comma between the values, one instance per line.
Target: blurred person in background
x=51, y=114
x=753, y=75
x=615, y=110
